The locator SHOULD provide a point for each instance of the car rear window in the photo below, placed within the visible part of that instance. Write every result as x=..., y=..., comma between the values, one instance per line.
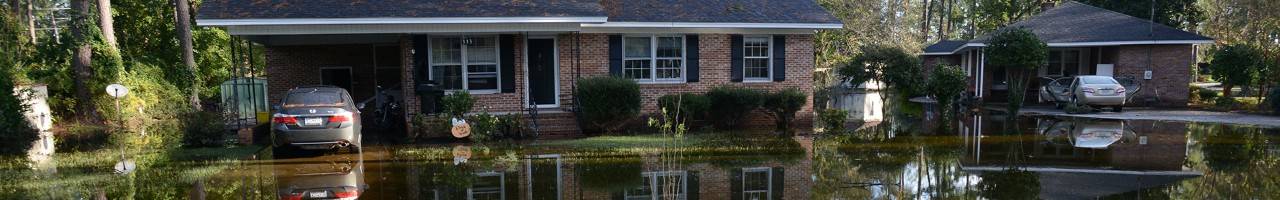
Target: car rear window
x=313, y=99
x=1098, y=80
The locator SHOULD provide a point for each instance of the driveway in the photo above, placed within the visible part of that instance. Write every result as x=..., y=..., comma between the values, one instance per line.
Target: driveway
x=1167, y=115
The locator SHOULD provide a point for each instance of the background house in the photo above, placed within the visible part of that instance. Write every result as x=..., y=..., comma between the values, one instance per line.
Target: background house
x=1087, y=40
x=528, y=54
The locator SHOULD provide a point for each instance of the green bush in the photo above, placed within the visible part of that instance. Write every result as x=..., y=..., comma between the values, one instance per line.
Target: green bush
x=20, y=134
x=1226, y=103
x=1273, y=99
x=946, y=84
x=429, y=126
x=484, y=127
x=1207, y=95
x=205, y=129
x=458, y=104
x=783, y=105
x=607, y=103
x=685, y=107
x=511, y=125
x=833, y=119
x=731, y=104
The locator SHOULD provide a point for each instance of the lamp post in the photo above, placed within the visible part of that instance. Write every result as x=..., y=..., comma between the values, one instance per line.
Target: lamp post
x=117, y=91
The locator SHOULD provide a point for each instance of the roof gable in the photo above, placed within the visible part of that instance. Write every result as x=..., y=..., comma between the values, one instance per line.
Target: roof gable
x=1074, y=22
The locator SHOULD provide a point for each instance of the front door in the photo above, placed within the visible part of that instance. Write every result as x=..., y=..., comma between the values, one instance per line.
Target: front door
x=542, y=72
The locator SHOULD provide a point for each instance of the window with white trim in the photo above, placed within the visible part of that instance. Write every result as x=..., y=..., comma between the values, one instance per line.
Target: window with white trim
x=653, y=58
x=465, y=63
x=757, y=58
x=757, y=183
x=660, y=185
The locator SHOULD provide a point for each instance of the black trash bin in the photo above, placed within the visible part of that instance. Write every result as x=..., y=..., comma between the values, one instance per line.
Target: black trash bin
x=430, y=96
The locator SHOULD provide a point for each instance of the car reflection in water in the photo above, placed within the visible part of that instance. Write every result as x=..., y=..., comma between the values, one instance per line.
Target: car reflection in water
x=1089, y=134
x=324, y=177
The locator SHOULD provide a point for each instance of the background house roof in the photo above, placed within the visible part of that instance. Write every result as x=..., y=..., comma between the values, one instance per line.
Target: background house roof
x=712, y=11
x=1074, y=22
x=944, y=47
x=701, y=11
x=286, y=9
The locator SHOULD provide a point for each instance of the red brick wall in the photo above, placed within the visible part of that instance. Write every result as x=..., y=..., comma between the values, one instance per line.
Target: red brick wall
x=1171, y=72
x=289, y=67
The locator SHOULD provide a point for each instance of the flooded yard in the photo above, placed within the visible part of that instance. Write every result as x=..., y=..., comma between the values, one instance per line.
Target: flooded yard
x=975, y=156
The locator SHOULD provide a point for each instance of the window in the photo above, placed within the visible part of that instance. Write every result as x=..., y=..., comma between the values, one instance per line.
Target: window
x=660, y=185
x=465, y=63
x=1063, y=63
x=487, y=185
x=756, y=183
x=756, y=58
x=653, y=58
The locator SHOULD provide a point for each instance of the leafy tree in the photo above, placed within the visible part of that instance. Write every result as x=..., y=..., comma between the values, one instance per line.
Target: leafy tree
x=1235, y=65
x=990, y=15
x=1020, y=53
x=18, y=134
x=946, y=83
x=1183, y=14
x=899, y=70
x=782, y=105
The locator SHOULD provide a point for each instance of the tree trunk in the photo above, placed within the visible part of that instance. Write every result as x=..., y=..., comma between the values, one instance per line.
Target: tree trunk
x=31, y=21
x=1226, y=90
x=81, y=61
x=106, y=23
x=183, y=19
x=924, y=29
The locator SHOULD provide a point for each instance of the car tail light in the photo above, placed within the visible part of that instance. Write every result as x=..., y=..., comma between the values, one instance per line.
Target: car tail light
x=292, y=196
x=340, y=117
x=1089, y=90
x=284, y=119
x=347, y=193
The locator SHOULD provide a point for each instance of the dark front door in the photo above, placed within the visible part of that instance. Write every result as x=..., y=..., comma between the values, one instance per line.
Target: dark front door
x=340, y=77
x=542, y=72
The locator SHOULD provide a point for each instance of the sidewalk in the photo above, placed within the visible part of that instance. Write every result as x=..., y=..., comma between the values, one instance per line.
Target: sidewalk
x=1157, y=114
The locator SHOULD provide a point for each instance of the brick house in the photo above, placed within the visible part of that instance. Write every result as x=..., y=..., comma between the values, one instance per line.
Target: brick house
x=1087, y=40
x=513, y=56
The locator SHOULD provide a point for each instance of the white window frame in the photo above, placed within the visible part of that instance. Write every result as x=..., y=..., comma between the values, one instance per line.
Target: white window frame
x=464, y=63
x=653, y=59
x=502, y=185
x=768, y=191
x=655, y=191
x=768, y=57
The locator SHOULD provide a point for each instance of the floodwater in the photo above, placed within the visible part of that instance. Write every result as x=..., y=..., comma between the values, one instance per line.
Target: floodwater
x=972, y=157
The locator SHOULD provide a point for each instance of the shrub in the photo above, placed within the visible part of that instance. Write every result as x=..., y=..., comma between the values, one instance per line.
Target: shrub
x=1226, y=103
x=1206, y=95
x=429, y=126
x=731, y=104
x=511, y=125
x=833, y=119
x=458, y=104
x=607, y=103
x=687, y=106
x=484, y=127
x=946, y=83
x=1273, y=99
x=782, y=105
x=19, y=133
x=205, y=129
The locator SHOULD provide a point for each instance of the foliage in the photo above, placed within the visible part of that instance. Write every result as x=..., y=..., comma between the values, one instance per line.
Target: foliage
x=205, y=129
x=685, y=107
x=1206, y=94
x=893, y=66
x=833, y=119
x=1236, y=65
x=429, y=126
x=1020, y=53
x=783, y=105
x=484, y=127
x=458, y=104
x=991, y=15
x=607, y=103
x=946, y=84
x=731, y=104
x=1226, y=103
x=1182, y=14
x=511, y=125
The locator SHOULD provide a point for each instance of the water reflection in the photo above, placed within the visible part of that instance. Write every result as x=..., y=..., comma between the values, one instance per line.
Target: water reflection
x=975, y=156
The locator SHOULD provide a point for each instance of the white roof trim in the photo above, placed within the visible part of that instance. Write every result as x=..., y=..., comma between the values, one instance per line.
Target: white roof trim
x=1086, y=44
x=713, y=25
x=419, y=20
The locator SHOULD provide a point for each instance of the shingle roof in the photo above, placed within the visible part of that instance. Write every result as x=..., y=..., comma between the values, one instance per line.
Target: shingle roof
x=1072, y=22
x=733, y=11
x=279, y=9
x=739, y=11
x=945, y=46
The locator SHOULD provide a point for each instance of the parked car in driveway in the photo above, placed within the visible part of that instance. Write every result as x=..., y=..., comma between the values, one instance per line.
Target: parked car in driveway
x=317, y=118
x=1098, y=91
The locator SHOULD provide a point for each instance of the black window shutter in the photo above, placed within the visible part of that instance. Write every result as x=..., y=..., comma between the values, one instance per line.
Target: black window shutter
x=693, y=186
x=779, y=58
x=735, y=183
x=735, y=57
x=615, y=55
x=691, y=58
x=421, y=59
x=508, y=68
x=777, y=180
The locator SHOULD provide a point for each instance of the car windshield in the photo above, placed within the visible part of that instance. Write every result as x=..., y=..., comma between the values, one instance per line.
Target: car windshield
x=1097, y=80
x=314, y=98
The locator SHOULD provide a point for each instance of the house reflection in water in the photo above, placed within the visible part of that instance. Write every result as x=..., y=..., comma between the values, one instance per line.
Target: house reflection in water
x=750, y=175
x=1082, y=158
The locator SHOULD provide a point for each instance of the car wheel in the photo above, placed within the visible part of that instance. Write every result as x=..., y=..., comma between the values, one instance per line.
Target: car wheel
x=1117, y=109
